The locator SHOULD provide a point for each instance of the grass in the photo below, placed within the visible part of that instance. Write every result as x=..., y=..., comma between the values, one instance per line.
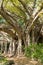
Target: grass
x=35, y=51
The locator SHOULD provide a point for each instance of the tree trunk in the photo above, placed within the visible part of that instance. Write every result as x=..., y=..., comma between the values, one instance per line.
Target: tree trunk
x=5, y=43
x=1, y=46
x=33, y=37
x=19, y=49
x=27, y=39
x=13, y=47
x=10, y=48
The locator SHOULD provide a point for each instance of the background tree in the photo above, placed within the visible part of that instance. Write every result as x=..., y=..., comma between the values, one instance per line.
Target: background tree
x=25, y=17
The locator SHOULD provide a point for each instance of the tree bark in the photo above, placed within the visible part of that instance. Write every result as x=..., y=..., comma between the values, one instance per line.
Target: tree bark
x=33, y=37
x=13, y=47
x=19, y=49
x=27, y=39
x=1, y=46
x=5, y=50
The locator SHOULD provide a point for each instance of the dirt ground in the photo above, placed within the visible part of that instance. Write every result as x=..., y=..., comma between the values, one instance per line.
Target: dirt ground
x=24, y=61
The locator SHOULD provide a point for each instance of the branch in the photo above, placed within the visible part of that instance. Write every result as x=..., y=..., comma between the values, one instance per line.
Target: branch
x=7, y=30
x=10, y=15
x=41, y=32
x=41, y=7
x=33, y=22
x=2, y=4
x=18, y=8
x=25, y=7
x=34, y=4
x=15, y=15
x=14, y=25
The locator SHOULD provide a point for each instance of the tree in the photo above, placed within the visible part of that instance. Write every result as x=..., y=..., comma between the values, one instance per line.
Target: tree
x=29, y=12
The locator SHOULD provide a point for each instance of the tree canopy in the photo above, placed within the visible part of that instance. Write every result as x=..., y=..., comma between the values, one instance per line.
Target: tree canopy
x=24, y=20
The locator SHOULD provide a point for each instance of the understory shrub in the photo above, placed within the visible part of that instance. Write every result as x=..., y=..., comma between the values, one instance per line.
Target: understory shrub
x=35, y=51
x=2, y=59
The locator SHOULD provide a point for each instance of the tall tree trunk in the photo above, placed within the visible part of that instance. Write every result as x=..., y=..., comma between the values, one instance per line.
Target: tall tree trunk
x=5, y=51
x=27, y=39
x=33, y=37
x=1, y=46
x=13, y=47
x=19, y=49
x=10, y=49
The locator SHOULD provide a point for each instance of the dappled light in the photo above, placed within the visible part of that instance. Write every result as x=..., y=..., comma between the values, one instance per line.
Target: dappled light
x=21, y=32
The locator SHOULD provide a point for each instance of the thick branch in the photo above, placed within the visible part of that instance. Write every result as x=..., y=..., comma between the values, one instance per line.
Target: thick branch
x=15, y=26
x=19, y=9
x=34, y=18
x=25, y=7
x=2, y=4
x=30, y=26
x=13, y=35
x=14, y=16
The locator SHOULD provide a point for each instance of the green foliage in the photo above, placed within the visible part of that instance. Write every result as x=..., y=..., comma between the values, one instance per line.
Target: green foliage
x=14, y=8
x=20, y=21
x=35, y=51
x=2, y=59
x=1, y=20
x=9, y=62
x=28, y=51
